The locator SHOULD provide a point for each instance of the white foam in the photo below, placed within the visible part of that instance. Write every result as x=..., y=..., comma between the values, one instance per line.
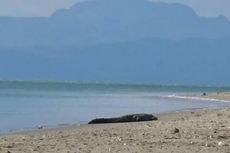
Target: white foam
x=197, y=98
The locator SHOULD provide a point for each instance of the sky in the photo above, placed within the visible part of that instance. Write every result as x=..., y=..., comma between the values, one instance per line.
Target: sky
x=30, y=8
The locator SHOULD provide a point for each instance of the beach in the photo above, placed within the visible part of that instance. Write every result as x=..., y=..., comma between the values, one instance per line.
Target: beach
x=224, y=96
x=201, y=130
x=114, y=76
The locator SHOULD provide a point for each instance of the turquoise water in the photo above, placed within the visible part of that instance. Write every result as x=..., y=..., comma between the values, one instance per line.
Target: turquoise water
x=25, y=105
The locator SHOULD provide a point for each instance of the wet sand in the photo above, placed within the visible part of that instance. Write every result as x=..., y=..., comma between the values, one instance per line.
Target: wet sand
x=218, y=95
x=202, y=131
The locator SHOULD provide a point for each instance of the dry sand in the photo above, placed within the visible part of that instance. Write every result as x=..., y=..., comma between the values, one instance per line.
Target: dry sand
x=198, y=131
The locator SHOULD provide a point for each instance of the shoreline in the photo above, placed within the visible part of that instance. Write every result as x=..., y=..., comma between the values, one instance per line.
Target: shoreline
x=216, y=96
x=205, y=130
x=202, y=130
x=197, y=96
x=85, y=124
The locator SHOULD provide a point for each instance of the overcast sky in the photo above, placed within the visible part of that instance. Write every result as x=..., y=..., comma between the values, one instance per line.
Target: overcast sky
x=33, y=7
x=47, y=7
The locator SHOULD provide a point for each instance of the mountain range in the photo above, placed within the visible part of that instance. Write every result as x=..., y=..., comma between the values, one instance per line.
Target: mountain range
x=117, y=40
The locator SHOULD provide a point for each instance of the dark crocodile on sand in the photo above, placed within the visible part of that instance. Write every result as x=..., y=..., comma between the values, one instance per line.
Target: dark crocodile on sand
x=126, y=118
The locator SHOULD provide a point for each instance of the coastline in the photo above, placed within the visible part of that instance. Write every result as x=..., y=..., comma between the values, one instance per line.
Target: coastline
x=197, y=96
x=204, y=130
x=222, y=96
x=213, y=96
x=199, y=130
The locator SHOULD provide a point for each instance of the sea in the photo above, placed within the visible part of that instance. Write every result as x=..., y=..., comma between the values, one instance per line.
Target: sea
x=28, y=105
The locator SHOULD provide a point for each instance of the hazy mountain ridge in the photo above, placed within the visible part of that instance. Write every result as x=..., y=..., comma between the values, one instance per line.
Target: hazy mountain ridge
x=110, y=21
x=149, y=60
x=117, y=40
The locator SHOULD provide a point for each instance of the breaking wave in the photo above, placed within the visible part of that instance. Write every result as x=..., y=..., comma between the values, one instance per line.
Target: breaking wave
x=197, y=98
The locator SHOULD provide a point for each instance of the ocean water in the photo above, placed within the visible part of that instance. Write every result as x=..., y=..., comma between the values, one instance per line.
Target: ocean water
x=28, y=104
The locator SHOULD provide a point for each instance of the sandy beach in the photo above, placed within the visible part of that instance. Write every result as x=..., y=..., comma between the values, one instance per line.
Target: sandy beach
x=204, y=130
x=218, y=95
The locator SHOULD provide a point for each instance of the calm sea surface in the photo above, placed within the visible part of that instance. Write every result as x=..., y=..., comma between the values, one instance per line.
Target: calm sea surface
x=25, y=105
